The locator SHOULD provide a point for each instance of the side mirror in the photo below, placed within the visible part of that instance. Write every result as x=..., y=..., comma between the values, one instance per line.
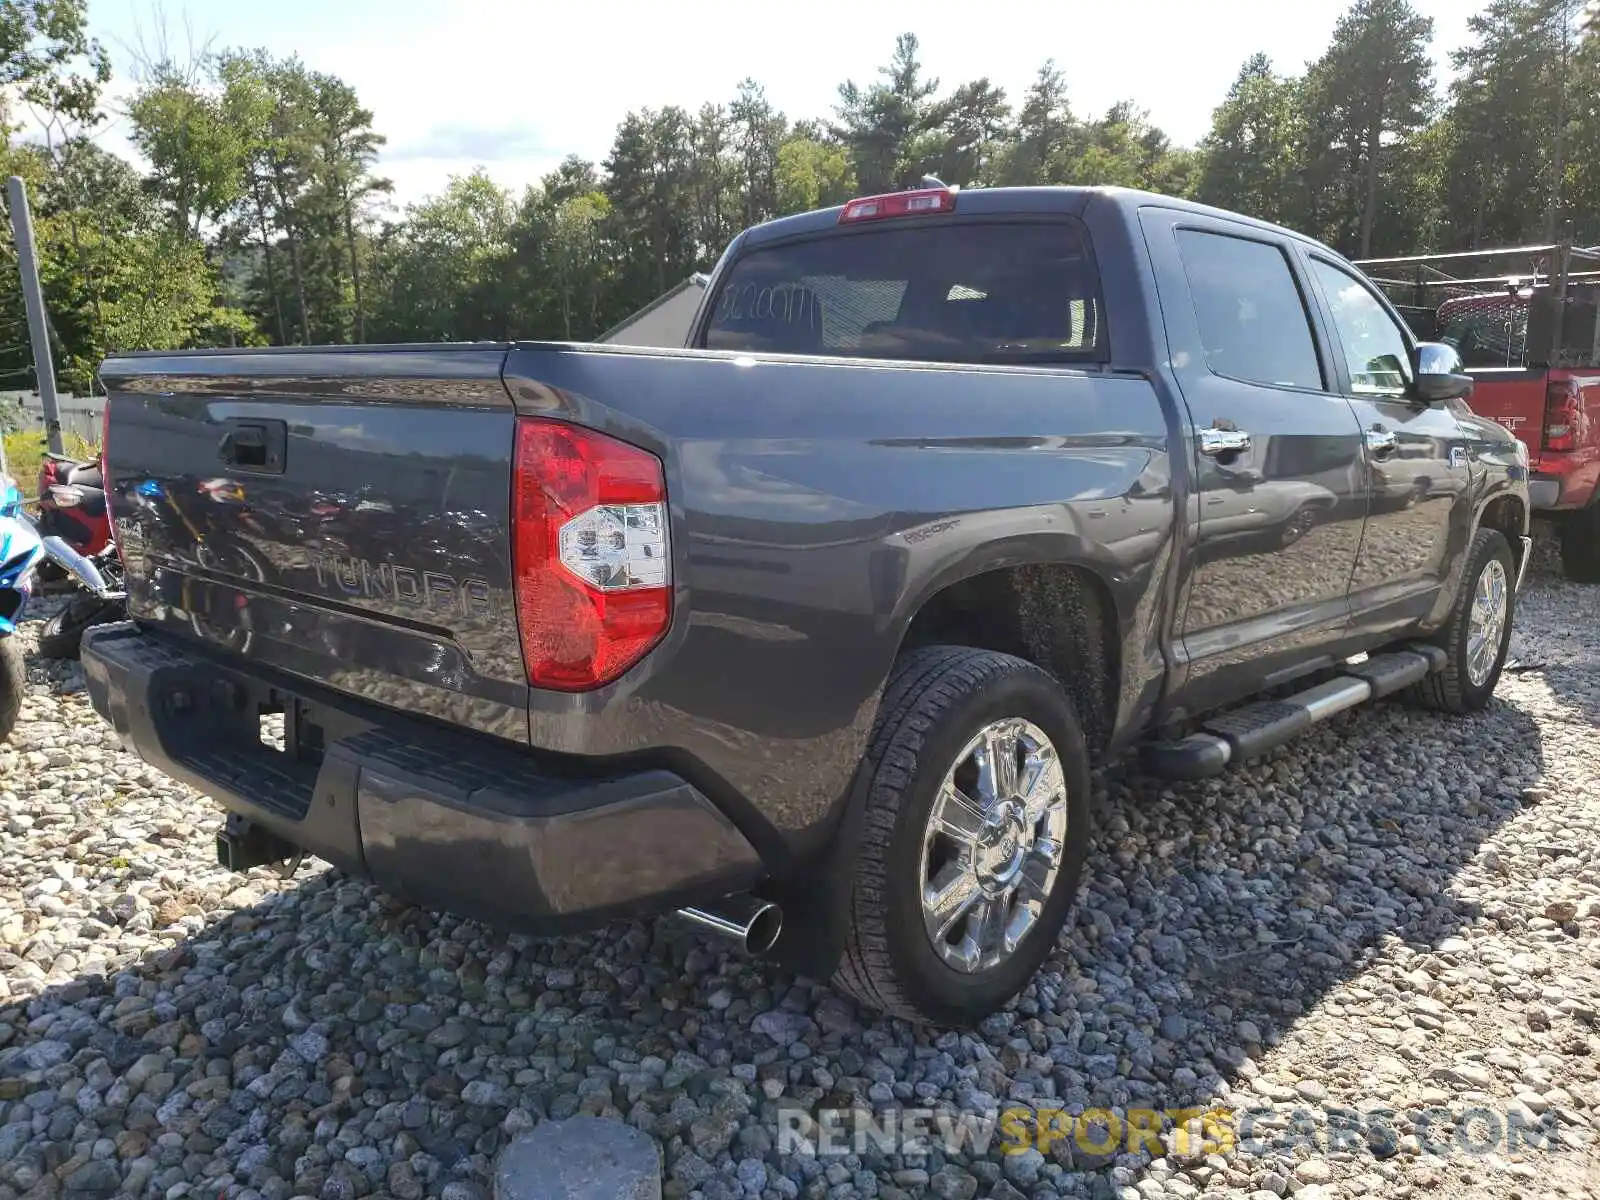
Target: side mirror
x=1439, y=374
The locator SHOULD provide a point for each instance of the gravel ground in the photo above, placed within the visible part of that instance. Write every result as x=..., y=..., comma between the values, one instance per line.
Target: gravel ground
x=1397, y=912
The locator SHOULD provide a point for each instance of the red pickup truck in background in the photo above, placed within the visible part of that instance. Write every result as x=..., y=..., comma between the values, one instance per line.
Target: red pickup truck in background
x=1536, y=375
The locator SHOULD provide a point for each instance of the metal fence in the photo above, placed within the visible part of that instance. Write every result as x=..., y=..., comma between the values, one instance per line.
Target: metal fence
x=80, y=415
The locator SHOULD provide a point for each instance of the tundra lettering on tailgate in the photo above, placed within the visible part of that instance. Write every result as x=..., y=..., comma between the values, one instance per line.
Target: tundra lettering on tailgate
x=350, y=576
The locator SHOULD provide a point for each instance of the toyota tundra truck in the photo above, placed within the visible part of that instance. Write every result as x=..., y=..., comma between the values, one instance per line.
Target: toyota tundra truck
x=814, y=629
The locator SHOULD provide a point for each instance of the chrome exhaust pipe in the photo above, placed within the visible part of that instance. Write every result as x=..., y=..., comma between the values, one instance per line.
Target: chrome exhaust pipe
x=88, y=574
x=754, y=923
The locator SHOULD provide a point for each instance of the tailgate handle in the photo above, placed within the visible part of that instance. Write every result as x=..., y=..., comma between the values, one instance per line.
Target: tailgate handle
x=254, y=445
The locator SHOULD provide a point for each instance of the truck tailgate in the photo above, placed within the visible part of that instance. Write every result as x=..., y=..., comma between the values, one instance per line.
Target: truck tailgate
x=340, y=515
x=1514, y=398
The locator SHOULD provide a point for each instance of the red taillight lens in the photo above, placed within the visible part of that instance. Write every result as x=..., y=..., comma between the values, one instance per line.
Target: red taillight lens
x=899, y=204
x=1562, y=415
x=590, y=552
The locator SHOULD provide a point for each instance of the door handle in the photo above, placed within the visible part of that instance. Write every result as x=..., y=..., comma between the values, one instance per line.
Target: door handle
x=1381, y=442
x=1217, y=443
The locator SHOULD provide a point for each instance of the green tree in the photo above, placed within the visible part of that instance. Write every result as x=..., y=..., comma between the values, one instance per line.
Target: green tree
x=757, y=137
x=347, y=149
x=650, y=176
x=813, y=174
x=48, y=59
x=1253, y=154
x=1047, y=140
x=1515, y=102
x=576, y=251
x=196, y=154
x=1583, y=173
x=880, y=125
x=116, y=273
x=440, y=267
x=1369, y=92
x=965, y=149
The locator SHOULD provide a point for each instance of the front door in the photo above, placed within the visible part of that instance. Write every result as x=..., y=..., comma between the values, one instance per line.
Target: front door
x=1415, y=456
x=1279, y=496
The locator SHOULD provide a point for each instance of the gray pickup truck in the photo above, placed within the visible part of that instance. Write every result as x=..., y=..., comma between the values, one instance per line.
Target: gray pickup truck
x=813, y=630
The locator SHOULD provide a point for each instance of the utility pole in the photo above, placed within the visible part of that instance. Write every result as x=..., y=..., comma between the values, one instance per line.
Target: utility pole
x=38, y=327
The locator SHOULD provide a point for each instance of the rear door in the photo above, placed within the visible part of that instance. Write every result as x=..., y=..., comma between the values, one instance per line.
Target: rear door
x=1280, y=496
x=1415, y=456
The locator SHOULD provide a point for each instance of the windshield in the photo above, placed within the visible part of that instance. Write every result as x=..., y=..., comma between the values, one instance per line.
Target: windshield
x=962, y=291
x=1492, y=332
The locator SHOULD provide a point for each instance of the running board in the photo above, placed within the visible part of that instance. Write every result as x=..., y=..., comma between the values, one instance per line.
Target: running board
x=1246, y=732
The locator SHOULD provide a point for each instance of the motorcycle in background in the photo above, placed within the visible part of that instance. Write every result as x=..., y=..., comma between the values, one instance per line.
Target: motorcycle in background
x=72, y=507
x=22, y=549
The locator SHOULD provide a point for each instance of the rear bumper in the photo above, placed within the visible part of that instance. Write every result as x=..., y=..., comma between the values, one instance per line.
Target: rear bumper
x=1544, y=493
x=445, y=819
x=1564, y=482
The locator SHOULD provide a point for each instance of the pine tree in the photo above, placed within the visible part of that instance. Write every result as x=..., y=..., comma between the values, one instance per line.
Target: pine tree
x=880, y=125
x=1369, y=92
x=1252, y=156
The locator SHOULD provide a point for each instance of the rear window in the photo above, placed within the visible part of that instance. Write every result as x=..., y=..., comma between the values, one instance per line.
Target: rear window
x=955, y=292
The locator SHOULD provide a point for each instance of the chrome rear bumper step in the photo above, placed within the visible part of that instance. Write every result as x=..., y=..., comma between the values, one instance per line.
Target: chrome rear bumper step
x=1254, y=729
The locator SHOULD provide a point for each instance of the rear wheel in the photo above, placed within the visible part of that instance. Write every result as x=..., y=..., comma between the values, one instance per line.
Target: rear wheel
x=62, y=635
x=973, y=839
x=13, y=683
x=1580, y=545
x=1478, y=633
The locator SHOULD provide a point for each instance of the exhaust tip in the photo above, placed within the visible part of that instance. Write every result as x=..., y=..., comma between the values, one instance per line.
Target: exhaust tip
x=754, y=924
x=762, y=933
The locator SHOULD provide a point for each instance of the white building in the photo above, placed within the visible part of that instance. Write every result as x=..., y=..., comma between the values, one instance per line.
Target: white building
x=664, y=321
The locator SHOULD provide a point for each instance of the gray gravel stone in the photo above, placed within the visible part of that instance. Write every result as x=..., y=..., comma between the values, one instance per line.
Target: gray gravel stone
x=1398, y=910
x=584, y=1159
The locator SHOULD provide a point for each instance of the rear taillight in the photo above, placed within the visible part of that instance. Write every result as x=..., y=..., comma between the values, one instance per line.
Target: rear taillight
x=590, y=553
x=1561, y=415
x=899, y=204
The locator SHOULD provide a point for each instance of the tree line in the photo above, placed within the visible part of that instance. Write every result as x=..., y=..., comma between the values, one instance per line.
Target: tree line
x=263, y=216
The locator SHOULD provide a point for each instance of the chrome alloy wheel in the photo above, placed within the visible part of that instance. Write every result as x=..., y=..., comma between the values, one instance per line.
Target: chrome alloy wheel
x=992, y=850
x=1487, y=623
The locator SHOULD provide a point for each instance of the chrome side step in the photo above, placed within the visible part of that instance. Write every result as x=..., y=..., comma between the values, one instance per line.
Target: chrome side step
x=1254, y=729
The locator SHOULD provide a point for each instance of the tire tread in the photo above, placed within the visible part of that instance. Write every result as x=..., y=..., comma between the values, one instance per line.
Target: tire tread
x=925, y=684
x=1449, y=690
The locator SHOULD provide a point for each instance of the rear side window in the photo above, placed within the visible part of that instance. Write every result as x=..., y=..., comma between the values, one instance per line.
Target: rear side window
x=1252, y=318
x=964, y=291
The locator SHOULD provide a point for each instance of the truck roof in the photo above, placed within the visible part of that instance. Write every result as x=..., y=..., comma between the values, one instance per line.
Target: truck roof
x=1069, y=201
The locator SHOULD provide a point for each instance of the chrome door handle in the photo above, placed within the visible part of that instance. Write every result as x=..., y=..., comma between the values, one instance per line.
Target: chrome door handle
x=1381, y=442
x=1216, y=442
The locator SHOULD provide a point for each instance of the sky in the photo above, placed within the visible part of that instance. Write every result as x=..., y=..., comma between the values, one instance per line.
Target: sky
x=516, y=86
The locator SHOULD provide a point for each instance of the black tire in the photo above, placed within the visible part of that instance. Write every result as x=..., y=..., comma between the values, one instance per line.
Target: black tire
x=51, y=579
x=1452, y=689
x=62, y=635
x=13, y=683
x=1580, y=545
x=938, y=699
